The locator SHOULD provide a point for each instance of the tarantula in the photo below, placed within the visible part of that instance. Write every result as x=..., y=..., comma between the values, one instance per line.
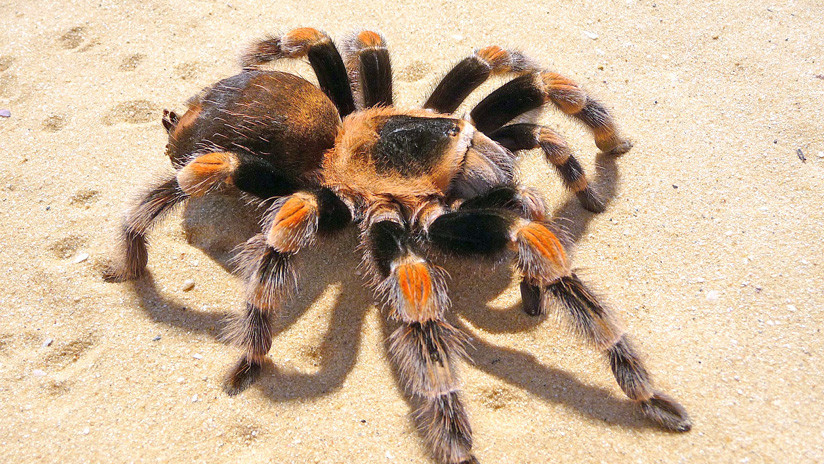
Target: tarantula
x=417, y=182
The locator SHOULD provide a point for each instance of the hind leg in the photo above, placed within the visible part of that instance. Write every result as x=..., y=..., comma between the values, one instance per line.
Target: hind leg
x=266, y=262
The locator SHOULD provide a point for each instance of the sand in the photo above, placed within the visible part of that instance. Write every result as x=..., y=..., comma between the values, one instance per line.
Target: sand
x=710, y=248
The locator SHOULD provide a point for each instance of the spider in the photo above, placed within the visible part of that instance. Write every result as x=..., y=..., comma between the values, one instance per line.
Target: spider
x=417, y=182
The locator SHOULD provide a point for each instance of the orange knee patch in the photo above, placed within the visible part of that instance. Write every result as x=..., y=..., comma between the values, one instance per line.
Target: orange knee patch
x=370, y=39
x=291, y=224
x=564, y=93
x=293, y=212
x=415, y=284
x=497, y=57
x=304, y=36
x=206, y=171
x=540, y=239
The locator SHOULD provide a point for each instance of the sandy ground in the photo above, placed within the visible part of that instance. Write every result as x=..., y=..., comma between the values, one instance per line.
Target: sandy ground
x=710, y=248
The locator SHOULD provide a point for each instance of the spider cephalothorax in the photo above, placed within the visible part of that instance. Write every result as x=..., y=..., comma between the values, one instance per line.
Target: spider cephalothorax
x=417, y=182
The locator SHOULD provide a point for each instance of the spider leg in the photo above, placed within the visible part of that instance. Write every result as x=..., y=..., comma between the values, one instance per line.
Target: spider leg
x=322, y=54
x=532, y=91
x=518, y=137
x=425, y=347
x=523, y=201
x=370, y=69
x=471, y=72
x=250, y=174
x=542, y=261
x=266, y=262
x=151, y=207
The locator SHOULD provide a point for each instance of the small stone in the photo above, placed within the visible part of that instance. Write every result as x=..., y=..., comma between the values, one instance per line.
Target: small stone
x=38, y=373
x=188, y=285
x=80, y=257
x=180, y=379
x=197, y=356
x=712, y=295
x=48, y=342
x=5, y=114
x=591, y=35
x=457, y=37
x=194, y=398
x=85, y=431
x=156, y=339
x=792, y=308
x=820, y=154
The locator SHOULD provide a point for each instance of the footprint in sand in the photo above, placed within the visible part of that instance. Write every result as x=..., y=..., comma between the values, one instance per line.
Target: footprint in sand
x=66, y=247
x=131, y=62
x=133, y=112
x=84, y=197
x=68, y=353
x=189, y=71
x=8, y=83
x=73, y=38
x=54, y=123
x=498, y=397
x=415, y=71
x=5, y=62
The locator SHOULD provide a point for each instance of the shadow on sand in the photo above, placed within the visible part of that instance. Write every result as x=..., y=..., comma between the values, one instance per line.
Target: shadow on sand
x=338, y=351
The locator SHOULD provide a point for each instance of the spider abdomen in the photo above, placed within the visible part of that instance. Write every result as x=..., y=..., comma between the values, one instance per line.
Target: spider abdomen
x=273, y=115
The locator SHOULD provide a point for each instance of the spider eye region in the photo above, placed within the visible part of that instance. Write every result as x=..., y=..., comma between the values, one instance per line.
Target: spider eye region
x=412, y=146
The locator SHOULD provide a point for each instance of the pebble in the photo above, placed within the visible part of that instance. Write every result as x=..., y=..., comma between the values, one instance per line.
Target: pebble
x=180, y=379
x=712, y=295
x=194, y=399
x=591, y=35
x=5, y=114
x=48, y=342
x=197, y=356
x=457, y=37
x=156, y=339
x=820, y=154
x=80, y=257
x=38, y=373
x=188, y=285
x=85, y=431
x=792, y=308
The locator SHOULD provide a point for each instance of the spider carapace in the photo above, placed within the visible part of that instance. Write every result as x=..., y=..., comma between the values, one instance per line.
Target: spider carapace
x=419, y=183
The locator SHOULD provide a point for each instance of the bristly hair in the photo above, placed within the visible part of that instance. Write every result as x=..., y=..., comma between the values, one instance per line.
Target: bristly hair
x=270, y=277
x=436, y=302
x=425, y=354
x=587, y=317
x=445, y=427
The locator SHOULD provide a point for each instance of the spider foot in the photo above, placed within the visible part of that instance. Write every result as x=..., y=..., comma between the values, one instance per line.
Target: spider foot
x=666, y=412
x=590, y=201
x=531, y=298
x=244, y=374
x=618, y=150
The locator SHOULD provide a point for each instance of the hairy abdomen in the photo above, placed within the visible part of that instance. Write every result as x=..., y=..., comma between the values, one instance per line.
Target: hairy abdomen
x=277, y=116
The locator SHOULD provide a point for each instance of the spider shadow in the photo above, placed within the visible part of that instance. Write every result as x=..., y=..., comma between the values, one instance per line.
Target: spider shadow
x=219, y=240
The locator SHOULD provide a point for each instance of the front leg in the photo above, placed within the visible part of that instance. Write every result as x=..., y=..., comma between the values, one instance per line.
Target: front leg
x=545, y=267
x=266, y=262
x=425, y=347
